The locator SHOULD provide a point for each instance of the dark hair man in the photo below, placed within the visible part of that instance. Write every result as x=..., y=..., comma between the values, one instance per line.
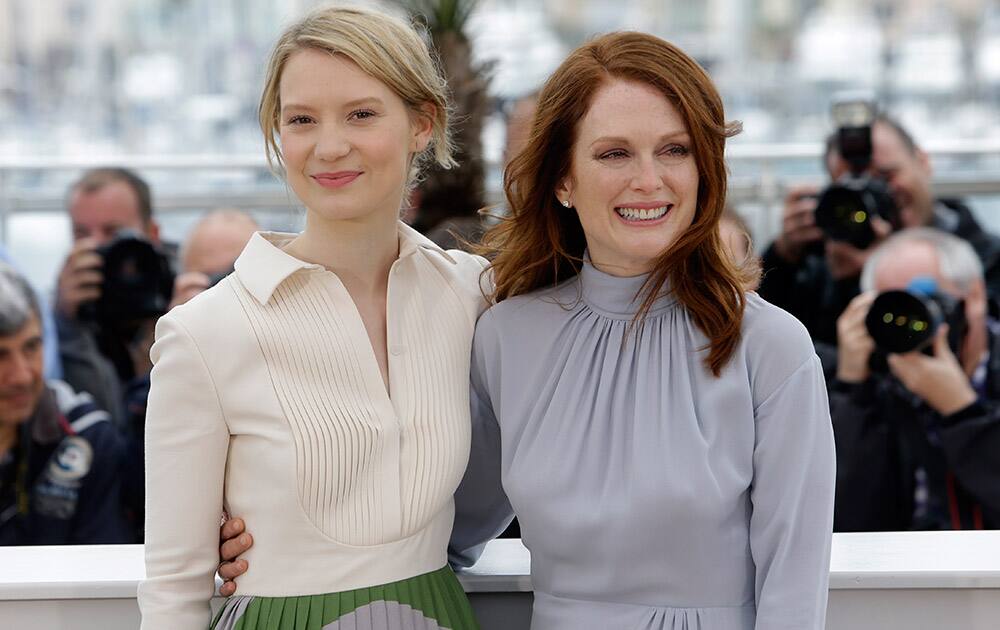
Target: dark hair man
x=814, y=277
x=102, y=204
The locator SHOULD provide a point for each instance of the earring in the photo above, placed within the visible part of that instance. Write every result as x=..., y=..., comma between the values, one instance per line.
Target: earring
x=565, y=203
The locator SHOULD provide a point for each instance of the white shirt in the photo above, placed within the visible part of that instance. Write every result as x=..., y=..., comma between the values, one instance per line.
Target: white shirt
x=267, y=400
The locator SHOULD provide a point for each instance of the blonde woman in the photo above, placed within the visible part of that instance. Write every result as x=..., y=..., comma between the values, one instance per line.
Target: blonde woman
x=321, y=390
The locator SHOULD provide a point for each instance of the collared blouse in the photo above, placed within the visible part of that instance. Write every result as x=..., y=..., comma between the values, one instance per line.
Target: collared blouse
x=267, y=401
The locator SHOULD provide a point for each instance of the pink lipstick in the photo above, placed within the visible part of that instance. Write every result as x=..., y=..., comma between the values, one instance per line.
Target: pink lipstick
x=336, y=180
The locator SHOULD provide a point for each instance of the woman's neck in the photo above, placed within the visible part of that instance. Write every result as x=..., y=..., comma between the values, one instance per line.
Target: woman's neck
x=359, y=252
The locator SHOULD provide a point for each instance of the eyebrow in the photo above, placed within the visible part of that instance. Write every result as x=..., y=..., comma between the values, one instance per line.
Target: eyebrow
x=372, y=100
x=673, y=135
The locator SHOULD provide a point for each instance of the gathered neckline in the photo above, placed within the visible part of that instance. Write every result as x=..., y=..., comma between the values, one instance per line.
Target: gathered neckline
x=617, y=296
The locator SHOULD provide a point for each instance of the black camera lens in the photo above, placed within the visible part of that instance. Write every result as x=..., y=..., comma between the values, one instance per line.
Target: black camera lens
x=900, y=321
x=138, y=281
x=845, y=209
x=845, y=215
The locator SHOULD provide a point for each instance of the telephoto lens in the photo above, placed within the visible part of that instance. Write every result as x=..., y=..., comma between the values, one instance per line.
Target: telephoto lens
x=900, y=321
x=138, y=281
x=845, y=210
x=904, y=321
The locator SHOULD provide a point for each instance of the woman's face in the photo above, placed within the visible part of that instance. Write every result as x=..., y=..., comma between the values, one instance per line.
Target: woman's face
x=633, y=179
x=346, y=138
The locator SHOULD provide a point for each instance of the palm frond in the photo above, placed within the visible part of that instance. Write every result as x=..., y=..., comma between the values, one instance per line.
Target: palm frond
x=441, y=15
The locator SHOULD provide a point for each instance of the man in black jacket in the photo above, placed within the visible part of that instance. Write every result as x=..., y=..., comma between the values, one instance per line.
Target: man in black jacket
x=814, y=278
x=918, y=441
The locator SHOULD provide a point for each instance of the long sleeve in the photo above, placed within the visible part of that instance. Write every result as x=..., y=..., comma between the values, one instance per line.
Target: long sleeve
x=792, y=498
x=186, y=447
x=482, y=510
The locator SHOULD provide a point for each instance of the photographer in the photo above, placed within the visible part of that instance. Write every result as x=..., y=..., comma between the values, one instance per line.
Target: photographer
x=210, y=251
x=813, y=274
x=918, y=432
x=59, y=453
x=117, y=266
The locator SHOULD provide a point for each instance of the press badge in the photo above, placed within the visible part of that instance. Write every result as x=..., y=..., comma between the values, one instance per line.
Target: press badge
x=58, y=491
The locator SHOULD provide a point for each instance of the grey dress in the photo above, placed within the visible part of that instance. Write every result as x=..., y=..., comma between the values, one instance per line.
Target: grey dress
x=651, y=494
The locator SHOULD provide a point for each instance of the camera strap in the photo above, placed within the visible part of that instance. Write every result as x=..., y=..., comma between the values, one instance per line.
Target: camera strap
x=22, y=498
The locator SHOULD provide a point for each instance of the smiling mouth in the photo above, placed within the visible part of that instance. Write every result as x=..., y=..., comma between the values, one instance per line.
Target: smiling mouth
x=642, y=214
x=336, y=180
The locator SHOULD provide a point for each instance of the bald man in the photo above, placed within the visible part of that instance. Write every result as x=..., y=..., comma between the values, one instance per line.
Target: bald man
x=211, y=249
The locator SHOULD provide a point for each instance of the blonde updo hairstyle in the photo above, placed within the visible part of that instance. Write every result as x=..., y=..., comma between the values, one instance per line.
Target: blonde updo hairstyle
x=384, y=46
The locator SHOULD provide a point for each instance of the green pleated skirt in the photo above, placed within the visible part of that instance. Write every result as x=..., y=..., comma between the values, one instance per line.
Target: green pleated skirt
x=430, y=601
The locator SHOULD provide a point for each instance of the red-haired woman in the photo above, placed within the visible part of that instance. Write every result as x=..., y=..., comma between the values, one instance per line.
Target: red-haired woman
x=662, y=435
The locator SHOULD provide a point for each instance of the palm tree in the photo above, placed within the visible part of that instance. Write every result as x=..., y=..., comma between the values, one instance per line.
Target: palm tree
x=451, y=199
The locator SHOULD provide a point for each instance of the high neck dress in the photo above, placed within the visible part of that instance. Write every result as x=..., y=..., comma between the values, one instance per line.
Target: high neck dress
x=651, y=494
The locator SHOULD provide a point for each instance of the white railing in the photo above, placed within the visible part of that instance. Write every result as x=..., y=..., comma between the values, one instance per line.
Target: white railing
x=879, y=581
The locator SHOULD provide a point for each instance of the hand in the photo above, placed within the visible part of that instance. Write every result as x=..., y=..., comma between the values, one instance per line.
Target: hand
x=854, y=344
x=80, y=278
x=234, y=543
x=798, y=223
x=938, y=380
x=187, y=285
x=846, y=261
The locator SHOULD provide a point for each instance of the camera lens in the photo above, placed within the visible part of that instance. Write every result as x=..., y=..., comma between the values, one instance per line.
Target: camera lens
x=900, y=321
x=844, y=215
x=845, y=209
x=137, y=281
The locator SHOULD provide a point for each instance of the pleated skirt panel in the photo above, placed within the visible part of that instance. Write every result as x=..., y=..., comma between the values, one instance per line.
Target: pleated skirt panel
x=431, y=601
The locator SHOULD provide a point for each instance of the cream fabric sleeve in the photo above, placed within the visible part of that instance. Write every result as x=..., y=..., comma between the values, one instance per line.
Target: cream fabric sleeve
x=186, y=447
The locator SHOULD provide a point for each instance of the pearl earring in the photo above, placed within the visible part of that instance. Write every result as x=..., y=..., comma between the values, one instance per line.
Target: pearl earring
x=565, y=203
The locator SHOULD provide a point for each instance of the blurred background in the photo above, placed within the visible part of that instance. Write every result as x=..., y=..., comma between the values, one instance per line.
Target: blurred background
x=170, y=87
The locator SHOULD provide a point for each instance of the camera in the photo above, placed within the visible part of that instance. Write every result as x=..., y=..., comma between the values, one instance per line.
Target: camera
x=138, y=282
x=216, y=278
x=845, y=209
x=908, y=320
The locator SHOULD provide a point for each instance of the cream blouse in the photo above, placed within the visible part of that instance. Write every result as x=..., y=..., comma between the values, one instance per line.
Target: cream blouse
x=267, y=401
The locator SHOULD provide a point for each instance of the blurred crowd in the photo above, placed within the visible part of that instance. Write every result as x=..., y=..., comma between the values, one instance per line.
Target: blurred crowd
x=897, y=287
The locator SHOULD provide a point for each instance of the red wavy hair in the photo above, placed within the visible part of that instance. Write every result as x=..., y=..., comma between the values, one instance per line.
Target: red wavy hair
x=539, y=244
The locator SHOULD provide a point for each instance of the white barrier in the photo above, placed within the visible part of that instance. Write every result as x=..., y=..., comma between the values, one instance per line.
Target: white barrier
x=885, y=581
